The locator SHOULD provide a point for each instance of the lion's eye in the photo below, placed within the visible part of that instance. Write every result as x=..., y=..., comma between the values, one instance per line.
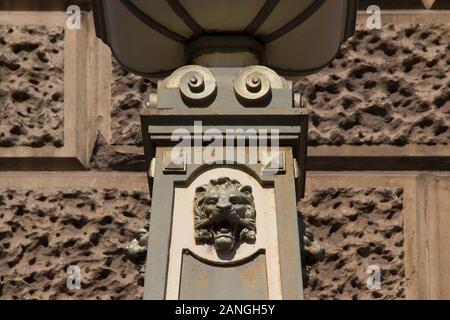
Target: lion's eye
x=211, y=201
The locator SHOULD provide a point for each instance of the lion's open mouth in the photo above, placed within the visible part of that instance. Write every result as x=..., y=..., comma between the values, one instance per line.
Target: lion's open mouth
x=224, y=239
x=223, y=232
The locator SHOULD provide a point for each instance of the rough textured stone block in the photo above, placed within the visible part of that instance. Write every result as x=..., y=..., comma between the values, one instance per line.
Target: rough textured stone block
x=42, y=233
x=357, y=228
x=386, y=87
x=31, y=86
x=129, y=94
x=105, y=158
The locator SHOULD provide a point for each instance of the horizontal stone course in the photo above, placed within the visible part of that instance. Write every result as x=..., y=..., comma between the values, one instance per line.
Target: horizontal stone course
x=88, y=219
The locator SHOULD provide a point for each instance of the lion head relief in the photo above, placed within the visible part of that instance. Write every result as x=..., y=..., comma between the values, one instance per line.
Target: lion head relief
x=225, y=214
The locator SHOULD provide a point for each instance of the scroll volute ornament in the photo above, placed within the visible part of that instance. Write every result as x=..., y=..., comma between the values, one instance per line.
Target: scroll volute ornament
x=224, y=214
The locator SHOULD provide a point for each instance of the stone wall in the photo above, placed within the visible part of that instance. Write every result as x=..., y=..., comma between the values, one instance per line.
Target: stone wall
x=387, y=89
x=42, y=232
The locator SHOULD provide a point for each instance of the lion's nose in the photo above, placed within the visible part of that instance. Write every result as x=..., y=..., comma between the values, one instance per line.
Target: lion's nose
x=225, y=206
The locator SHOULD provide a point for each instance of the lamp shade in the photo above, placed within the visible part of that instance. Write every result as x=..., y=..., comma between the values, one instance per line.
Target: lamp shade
x=293, y=37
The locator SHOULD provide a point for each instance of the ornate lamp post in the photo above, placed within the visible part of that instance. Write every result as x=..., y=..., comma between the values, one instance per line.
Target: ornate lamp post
x=225, y=137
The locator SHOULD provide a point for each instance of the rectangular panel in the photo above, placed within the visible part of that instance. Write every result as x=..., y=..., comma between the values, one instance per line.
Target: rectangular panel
x=201, y=281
